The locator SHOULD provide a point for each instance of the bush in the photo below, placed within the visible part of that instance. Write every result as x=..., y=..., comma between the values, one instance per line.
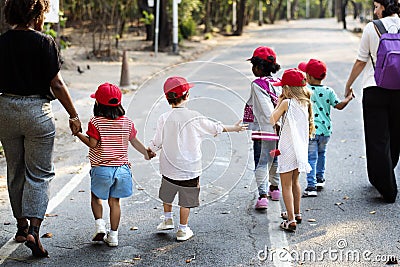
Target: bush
x=188, y=28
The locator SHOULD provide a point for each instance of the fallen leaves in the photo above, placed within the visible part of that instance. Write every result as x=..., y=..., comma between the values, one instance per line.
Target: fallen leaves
x=137, y=258
x=372, y=212
x=50, y=215
x=134, y=228
x=191, y=259
x=311, y=220
x=47, y=235
x=338, y=204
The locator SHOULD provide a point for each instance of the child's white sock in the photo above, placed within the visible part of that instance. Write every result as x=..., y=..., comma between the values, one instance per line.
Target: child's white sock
x=183, y=227
x=113, y=233
x=168, y=215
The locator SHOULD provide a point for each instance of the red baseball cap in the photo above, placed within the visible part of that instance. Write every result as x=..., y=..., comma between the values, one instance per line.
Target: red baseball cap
x=264, y=52
x=292, y=77
x=177, y=85
x=106, y=93
x=316, y=68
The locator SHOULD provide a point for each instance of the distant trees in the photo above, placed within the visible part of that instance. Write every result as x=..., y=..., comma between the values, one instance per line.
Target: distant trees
x=108, y=20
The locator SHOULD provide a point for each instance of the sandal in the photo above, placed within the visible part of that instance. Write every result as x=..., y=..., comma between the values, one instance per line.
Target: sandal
x=22, y=233
x=37, y=251
x=289, y=226
x=297, y=217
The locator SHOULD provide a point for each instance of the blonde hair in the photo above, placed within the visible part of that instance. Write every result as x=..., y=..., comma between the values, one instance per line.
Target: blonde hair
x=303, y=95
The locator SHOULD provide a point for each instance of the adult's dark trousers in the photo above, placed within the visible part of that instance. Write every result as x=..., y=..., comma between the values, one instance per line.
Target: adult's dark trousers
x=381, y=111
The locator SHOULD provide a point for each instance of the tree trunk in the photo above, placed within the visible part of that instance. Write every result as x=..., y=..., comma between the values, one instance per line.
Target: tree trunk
x=165, y=35
x=356, y=7
x=207, y=18
x=344, y=5
x=293, y=8
x=240, y=18
x=276, y=11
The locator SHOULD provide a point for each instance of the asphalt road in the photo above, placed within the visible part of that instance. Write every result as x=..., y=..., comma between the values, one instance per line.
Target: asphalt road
x=349, y=223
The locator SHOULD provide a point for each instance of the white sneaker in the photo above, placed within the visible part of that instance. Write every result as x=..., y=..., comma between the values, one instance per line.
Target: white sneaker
x=184, y=235
x=112, y=238
x=100, y=230
x=166, y=224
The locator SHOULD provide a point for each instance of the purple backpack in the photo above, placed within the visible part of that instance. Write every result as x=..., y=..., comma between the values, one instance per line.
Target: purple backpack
x=387, y=68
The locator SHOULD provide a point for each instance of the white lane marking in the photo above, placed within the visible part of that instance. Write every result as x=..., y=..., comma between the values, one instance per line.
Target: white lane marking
x=277, y=237
x=11, y=245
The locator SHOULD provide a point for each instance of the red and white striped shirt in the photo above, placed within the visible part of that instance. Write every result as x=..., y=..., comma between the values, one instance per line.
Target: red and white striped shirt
x=114, y=137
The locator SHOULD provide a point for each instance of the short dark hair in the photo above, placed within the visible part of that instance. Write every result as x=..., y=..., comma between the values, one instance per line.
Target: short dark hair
x=173, y=100
x=391, y=7
x=22, y=12
x=265, y=66
x=108, y=112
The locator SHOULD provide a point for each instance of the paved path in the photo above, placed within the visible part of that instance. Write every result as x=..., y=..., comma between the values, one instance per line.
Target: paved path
x=228, y=232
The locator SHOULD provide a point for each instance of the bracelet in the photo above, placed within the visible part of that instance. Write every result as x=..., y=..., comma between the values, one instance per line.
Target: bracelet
x=74, y=119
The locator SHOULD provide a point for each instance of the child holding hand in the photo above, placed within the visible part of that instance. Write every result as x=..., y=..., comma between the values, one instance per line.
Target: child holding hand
x=109, y=134
x=294, y=107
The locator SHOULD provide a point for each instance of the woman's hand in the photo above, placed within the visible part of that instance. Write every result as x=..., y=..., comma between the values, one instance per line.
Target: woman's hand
x=75, y=125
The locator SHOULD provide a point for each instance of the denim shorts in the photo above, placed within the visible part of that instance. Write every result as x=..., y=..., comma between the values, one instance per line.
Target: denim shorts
x=110, y=181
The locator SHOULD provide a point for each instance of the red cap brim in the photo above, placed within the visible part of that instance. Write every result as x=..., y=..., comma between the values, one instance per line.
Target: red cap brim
x=302, y=66
x=93, y=95
x=278, y=83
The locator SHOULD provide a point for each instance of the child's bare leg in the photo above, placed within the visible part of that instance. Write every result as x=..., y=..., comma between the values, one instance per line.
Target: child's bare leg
x=287, y=193
x=296, y=191
x=97, y=207
x=167, y=207
x=184, y=215
x=115, y=212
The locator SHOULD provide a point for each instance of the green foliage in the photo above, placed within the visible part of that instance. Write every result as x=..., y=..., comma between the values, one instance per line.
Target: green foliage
x=208, y=36
x=189, y=8
x=62, y=18
x=148, y=18
x=64, y=44
x=188, y=28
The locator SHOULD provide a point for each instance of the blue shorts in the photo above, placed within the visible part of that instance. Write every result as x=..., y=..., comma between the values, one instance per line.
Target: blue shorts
x=109, y=181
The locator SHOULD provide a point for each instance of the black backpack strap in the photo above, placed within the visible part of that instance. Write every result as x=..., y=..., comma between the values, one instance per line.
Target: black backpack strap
x=379, y=27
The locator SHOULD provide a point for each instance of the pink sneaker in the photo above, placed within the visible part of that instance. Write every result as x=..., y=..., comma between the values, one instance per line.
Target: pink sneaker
x=262, y=204
x=275, y=195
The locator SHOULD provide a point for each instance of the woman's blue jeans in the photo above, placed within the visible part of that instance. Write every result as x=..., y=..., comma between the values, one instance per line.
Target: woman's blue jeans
x=316, y=158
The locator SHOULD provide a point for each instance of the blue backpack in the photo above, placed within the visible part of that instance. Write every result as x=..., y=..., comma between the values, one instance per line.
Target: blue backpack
x=387, y=68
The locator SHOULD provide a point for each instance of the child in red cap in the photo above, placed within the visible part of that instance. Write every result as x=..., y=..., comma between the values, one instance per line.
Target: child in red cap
x=179, y=134
x=323, y=98
x=109, y=133
x=294, y=107
x=263, y=98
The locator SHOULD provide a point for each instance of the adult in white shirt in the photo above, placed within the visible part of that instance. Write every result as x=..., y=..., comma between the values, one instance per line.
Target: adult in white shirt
x=381, y=107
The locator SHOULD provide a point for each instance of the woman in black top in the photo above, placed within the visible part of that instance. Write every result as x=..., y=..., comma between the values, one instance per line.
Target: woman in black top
x=29, y=79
